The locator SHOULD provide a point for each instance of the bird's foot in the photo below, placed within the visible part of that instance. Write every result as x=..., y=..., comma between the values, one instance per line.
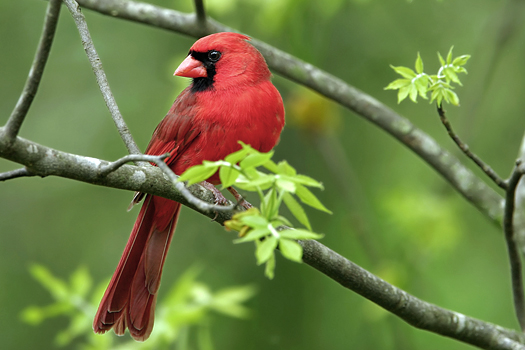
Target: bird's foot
x=240, y=199
x=219, y=197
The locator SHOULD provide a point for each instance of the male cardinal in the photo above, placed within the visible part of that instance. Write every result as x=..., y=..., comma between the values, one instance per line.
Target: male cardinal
x=231, y=99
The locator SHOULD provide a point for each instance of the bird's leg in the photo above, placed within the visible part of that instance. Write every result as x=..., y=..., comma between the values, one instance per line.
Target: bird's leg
x=240, y=200
x=219, y=197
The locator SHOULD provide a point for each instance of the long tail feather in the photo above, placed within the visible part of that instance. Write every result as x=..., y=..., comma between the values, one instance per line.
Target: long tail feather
x=129, y=300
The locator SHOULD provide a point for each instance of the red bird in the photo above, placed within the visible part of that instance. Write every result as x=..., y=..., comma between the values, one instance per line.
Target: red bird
x=231, y=99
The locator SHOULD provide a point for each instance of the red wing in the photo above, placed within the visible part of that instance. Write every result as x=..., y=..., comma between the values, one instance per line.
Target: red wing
x=176, y=132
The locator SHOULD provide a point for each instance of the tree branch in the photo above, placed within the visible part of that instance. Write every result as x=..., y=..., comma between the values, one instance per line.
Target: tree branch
x=512, y=247
x=462, y=179
x=19, y=113
x=44, y=161
x=96, y=65
x=465, y=148
x=414, y=311
x=13, y=174
x=201, y=12
x=200, y=205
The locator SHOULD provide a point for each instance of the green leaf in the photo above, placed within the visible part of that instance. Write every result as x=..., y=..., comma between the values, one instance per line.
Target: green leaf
x=441, y=60
x=449, y=56
x=265, y=249
x=450, y=74
x=55, y=286
x=270, y=165
x=228, y=301
x=413, y=93
x=285, y=169
x=419, y=64
x=291, y=250
x=452, y=97
x=228, y=175
x=270, y=267
x=285, y=184
x=198, y=173
x=305, y=180
x=309, y=198
x=269, y=203
x=236, y=157
x=403, y=93
x=263, y=182
x=296, y=209
x=81, y=282
x=404, y=71
x=255, y=160
x=255, y=221
x=253, y=235
x=398, y=83
x=300, y=234
x=421, y=84
x=461, y=60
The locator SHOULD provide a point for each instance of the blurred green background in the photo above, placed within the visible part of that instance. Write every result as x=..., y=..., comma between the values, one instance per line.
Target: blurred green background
x=393, y=214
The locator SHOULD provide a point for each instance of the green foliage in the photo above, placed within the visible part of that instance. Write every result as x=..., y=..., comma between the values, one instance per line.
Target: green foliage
x=187, y=305
x=262, y=225
x=439, y=85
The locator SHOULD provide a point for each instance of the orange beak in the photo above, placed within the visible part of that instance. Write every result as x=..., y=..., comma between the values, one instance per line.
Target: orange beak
x=191, y=68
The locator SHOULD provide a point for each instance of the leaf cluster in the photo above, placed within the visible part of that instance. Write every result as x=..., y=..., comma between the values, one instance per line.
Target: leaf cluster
x=418, y=82
x=187, y=306
x=279, y=184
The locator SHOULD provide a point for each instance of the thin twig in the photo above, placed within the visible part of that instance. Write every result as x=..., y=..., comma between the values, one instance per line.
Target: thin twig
x=13, y=174
x=464, y=147
x=19, y=113
x=201, y=12
x=159, y=160
x=512, y=247
x=96, y=65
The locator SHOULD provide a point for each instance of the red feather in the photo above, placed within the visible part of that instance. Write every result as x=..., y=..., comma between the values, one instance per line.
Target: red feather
x=237, y=102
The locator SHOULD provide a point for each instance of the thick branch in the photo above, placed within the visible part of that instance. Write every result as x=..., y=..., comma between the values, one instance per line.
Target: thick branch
x=102, y=81
x=512, y=247
x=414, y=311
x=461, y=178
x=45, y=161
x=200, y=205
x=35, y=73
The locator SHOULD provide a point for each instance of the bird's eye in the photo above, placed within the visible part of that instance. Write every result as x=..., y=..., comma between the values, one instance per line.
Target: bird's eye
x=214, y=55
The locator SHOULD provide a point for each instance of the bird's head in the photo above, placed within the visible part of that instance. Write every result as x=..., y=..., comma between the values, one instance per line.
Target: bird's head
x=223, y=60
